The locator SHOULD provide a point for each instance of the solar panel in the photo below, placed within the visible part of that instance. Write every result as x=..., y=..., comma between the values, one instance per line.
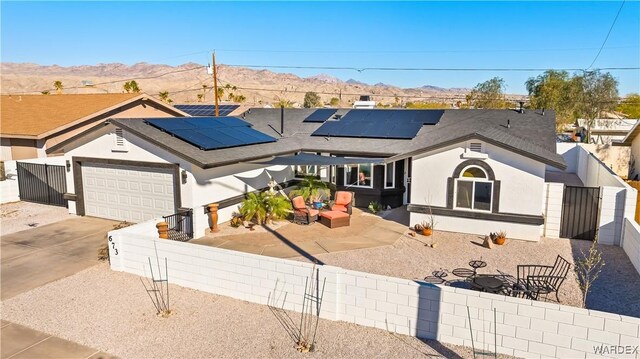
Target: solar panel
x=211, y=133
x=320, y=115
x=371, y=123
x=207, y=110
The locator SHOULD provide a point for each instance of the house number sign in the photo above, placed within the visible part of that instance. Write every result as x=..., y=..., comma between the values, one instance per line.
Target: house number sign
x=113, y=245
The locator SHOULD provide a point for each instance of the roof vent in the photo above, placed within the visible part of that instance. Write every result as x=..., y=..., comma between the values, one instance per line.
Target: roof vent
x=475, y=147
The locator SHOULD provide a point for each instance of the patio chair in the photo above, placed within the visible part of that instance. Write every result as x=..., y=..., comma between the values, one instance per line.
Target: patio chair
x=511, y=287
x=343, y=202
x=542, y=279
x=303, y=214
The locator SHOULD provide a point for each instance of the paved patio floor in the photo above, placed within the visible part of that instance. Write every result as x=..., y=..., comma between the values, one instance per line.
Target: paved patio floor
x=287, y=240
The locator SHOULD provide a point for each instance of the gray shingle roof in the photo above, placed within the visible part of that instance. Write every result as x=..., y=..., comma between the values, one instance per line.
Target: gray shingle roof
x=530, y=134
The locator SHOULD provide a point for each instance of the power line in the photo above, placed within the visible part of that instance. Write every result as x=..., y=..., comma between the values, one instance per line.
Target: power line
x=410, y=51
x=362, y=69
x=608, y=33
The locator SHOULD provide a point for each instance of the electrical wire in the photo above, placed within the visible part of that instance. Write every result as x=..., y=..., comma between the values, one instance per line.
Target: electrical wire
x=465, y=69
x=607, y=37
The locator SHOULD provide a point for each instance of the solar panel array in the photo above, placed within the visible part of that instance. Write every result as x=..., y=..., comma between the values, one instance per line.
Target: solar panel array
x=211, y=133
x=367, y=123
x=320, y=115
x=207, y=110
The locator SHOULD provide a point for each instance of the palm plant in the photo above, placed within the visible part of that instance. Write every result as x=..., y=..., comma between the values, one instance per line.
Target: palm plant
x=264, y=206
x=254, y=207
x=310, y=188
x=279, y=207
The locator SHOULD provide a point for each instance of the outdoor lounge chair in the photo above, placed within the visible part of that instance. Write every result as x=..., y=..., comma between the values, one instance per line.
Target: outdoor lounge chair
x=542, y=280
x=343, y=202
x=302, y=214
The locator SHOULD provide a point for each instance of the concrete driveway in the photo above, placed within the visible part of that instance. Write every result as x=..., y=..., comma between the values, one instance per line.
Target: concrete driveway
x=38, y=256
x=45, y=254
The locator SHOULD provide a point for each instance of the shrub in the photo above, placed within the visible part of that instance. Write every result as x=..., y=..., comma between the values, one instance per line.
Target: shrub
x=261, y=206
x=375, y=207
x=311, y=189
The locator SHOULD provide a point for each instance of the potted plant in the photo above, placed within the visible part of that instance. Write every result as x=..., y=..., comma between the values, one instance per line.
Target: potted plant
x=418, y=228
x=501, y=237
x=427, y=227
x=374, y=207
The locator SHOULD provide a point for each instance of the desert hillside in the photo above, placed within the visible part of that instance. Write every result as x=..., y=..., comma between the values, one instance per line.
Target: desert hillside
x=186, y=84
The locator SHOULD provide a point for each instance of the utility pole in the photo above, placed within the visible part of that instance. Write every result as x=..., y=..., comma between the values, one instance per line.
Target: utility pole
x=215, y=81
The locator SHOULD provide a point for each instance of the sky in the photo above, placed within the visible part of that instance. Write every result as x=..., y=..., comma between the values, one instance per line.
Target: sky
x=341, y=34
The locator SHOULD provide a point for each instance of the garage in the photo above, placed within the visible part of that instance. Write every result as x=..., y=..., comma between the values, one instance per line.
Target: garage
x=132, y=193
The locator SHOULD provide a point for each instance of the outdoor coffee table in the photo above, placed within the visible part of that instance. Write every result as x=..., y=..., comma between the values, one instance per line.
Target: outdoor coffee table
x=489, y=284
x=334, y=219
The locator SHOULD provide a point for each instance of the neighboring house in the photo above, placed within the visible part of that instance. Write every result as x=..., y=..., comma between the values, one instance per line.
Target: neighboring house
x=606, y=130
x=33, y=126
x=633, y=141
x=476, y=171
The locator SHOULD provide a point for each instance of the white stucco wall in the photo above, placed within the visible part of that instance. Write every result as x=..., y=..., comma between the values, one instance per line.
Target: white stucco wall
x=634, y=159
x=202, y=186
x=5, y=149
x=521, y=189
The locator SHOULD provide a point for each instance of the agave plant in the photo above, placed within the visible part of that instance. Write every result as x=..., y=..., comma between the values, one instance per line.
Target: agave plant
x=309, y=188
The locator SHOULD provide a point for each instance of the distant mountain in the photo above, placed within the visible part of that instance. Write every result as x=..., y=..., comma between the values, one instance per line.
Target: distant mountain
x=187, y=81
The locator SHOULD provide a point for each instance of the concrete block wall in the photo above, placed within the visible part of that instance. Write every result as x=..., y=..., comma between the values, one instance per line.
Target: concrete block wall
x=9, y=187
x=631, y=241
x=612, y=207
x=522, y=327
x=553, y=193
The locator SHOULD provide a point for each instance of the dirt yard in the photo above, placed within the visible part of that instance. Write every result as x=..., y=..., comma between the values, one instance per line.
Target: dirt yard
x=20, y=216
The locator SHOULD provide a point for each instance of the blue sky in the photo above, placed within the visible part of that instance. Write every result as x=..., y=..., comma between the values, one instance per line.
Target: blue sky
x=374, y=34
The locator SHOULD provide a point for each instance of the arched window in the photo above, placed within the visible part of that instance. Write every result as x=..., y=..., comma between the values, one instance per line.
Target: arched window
x=473, y=189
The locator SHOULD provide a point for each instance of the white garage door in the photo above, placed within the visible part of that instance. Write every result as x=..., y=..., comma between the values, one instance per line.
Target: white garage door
x=127, y=193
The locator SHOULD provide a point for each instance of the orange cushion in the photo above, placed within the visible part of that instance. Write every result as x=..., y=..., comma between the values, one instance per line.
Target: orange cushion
x=313, y=212
x=298, y=203
x=339, y=207
x=343, y=198
x=333, y=214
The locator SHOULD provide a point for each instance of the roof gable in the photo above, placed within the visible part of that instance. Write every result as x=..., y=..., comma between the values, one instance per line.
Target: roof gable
x=35, y=115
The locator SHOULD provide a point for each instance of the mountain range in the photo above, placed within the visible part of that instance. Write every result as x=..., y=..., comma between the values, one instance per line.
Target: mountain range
x=185, y=82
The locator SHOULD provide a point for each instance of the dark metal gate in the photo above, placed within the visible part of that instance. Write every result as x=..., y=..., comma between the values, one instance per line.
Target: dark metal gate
x=180, y=225
x=42, y=183
x=580, y=208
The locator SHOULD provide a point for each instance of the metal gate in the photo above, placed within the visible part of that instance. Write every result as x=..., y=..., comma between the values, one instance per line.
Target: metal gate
x=42, y=183
x=580, y=209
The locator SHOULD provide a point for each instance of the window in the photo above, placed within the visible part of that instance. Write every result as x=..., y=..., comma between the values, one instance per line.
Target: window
x=310, y=170
x=390, y=175
x=358, y=175
x=474, y=190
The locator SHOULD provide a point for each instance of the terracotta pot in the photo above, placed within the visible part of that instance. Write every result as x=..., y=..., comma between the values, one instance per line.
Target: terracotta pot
x=427, y=232
x=500, y=240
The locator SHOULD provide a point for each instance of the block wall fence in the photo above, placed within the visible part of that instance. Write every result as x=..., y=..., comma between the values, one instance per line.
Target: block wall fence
x=522, y=327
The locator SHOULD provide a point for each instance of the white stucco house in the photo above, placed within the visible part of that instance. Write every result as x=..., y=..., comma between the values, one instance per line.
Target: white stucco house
x=632, y=140
x=475, y=171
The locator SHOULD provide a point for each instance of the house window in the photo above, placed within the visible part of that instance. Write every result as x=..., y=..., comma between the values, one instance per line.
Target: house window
x=474, y=190
x=310, y=170
x=358, y=175
x=390, y=175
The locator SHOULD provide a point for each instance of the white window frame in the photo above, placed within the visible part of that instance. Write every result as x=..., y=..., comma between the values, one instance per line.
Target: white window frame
x=473, y=181
x=307, y=172
x=393, y=175
x=358, y=185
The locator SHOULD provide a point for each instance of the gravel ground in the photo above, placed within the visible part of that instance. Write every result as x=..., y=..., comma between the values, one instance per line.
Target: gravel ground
x=110, y=311
x=20, y=216
x=615, y=291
